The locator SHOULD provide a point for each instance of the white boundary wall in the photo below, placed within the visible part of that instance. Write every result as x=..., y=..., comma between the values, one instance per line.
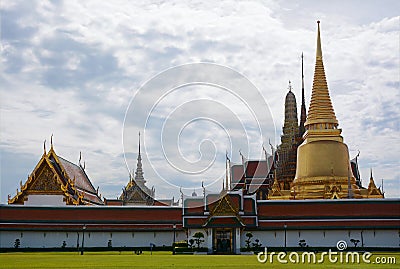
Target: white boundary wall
x=44, y=239
x=313, y=238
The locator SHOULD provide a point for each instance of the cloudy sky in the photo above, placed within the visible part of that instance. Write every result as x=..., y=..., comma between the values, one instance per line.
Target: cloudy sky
x=95, y=73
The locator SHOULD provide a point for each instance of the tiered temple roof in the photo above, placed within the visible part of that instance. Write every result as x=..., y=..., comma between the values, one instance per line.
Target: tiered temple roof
x=54, y=175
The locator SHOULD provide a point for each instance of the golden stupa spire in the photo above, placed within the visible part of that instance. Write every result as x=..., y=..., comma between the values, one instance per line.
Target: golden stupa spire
x=321, y=114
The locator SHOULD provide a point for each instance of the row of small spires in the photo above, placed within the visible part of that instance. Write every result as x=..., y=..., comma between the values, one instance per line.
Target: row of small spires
x=194, y=194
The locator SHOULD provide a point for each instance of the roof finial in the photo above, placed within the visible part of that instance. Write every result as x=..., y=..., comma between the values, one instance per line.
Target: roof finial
x=227, y=166
x=319, y=50
x=241, y=155
x=371, y=174
x=265, y=152
x=80, y=157
x=290, y=86
x=51, y=141
x=44, y=146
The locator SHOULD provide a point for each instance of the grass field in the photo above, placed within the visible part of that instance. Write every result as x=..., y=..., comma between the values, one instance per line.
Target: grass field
x=164, y=260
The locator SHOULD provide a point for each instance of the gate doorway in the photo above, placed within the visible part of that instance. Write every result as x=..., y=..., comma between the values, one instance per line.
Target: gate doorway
x=223, y=241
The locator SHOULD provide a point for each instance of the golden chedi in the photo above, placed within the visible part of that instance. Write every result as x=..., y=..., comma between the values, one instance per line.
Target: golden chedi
x=323, y=165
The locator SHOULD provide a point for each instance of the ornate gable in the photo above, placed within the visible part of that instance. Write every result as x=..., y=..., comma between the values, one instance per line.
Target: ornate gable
x=225, y=208
x=48, y=178
x=373, y=191
x=135, y=195
x=45, y=182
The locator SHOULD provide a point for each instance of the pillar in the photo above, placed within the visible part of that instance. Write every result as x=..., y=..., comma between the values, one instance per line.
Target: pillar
x=237, y=240
x=210, y=240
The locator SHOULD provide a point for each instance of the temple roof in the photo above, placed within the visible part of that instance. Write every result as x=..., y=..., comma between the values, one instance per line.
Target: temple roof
x=54, y=175
x=80, y=180
x=136, y=191
x=258, y=169
x=74, y=171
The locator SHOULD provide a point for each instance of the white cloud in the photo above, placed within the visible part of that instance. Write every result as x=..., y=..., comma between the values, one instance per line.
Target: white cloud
x=71, y=69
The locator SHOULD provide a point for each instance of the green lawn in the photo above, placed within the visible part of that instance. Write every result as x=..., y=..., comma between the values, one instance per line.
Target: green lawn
x=162, y=260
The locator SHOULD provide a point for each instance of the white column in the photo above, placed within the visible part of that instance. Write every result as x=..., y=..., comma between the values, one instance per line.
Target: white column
x=210, y=240
x=237, y=240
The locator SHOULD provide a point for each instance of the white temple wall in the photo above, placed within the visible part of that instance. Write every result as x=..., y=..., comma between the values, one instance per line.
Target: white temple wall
x=49, y=200
x=30, y=239
x=313, y=238
x=325, y=238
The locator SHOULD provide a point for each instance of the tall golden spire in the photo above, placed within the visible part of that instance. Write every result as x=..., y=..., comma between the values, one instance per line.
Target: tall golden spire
x=321, y=114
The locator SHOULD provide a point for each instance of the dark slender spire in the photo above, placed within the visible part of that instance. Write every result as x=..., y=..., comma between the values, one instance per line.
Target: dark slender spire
x=303, y=111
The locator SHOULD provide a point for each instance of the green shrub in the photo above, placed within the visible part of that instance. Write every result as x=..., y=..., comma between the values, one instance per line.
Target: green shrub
x=190, y=250
x=182, y=243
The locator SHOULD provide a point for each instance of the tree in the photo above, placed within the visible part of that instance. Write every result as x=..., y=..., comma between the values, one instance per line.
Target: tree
x=198, y=238
x=191, y=243
x=355, y=242
x=249, y=235
x=303, y=243
x=257, y=244
x=17, y=243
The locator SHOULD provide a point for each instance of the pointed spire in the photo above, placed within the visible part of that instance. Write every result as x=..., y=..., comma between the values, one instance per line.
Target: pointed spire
x=227, y=171
x=302, y=71
x=303, y=111
x=139, y=148
x=290, y=126
x=319, y=50
x=139, y=170
x=44, y=146
x=371, y=185
x=51, y=141
x=321, y=114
